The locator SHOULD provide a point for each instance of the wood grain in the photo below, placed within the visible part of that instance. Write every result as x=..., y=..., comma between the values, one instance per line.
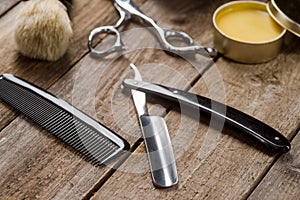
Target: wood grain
x=211, y=165
x=6, y=5
x=222, y=166
x=34, y=165
x=283, y=179
x=46, y=73
x=51, y=166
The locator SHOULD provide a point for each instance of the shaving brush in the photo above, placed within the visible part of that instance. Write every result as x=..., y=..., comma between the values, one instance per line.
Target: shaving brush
x=44, y=29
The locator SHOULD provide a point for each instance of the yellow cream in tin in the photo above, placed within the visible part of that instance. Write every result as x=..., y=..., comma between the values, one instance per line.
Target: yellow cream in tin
x=248, y=24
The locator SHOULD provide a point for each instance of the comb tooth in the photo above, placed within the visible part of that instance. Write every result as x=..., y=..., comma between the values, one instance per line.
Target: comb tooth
x=95, y=154
x=63, y=130
x=79, y=146
x=70, y=135
x=104, y=144
x=88, y=141
x=97, y=145
x=62, y=126
x=106, y=154
x=40, y=112
x=74, y=138
x=51, y=119
x=57, y=119
x=67, y=132
x=90, y=137
x=88, y=132
x=22, y=104
x=77, y=127
x=93, y=141
x=81, y=138
x=54, y=124
x=101, y=154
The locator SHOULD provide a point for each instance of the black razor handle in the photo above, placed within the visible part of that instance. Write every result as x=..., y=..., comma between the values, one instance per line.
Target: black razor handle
x=92, y=139
x=240, y=121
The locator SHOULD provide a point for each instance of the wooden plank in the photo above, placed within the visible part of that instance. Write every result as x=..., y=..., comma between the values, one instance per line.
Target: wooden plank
x=6, y=5
x=35, y=163
x=85, y=17
x=282, y=181
x=42, y=166
x=234, y=165
x=29, y=170
x=32, y=160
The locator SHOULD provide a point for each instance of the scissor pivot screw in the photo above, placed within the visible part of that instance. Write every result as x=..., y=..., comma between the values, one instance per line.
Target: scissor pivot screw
x=276, y=138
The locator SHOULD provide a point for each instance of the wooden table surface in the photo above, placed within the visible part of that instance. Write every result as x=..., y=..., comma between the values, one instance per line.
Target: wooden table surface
x=212, y=164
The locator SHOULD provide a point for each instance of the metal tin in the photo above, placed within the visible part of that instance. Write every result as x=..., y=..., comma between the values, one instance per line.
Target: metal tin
x=286, y=13
x=243, y=51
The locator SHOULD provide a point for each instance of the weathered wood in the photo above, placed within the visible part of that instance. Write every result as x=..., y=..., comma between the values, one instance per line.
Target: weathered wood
x=283, y=179
x=31, y=161
x=221, y=166
x=39, y=170
x=210, y=165
x=49, y=166
x=33, y=165
x=6, y=5
x=85, y=17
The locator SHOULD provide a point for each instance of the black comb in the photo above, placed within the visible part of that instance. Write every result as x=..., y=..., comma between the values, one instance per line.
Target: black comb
x=89, y=137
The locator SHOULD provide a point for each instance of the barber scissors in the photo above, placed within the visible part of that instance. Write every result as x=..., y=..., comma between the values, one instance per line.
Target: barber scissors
x=127, y=9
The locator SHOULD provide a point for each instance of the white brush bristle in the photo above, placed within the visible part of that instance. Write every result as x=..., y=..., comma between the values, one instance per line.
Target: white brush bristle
x=43, y=30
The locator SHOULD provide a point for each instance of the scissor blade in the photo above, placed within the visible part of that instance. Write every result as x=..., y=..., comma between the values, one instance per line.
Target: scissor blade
x=139, y=98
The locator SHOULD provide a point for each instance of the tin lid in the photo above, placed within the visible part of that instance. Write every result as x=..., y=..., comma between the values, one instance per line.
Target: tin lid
x=286, y=13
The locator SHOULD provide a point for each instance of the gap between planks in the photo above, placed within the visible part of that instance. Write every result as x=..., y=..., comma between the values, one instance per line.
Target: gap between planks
x=111, y=171
x=75, y=56
x=139, y=142
x=10, y=7
x=264, y=175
